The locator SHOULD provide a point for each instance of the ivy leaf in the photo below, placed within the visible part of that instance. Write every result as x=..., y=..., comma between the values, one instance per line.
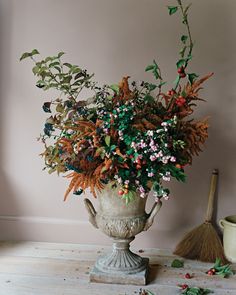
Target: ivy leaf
x=25, y=55
x=155, y=70
x=67, y=65
x=60, y=54
x=53, y=64
x=172, y=9
x=40, y=84
x=184, y=38
x=152, y=87
x=34, y=52
x=182, y=51
x=192, y=77
x=108, y=140
x=180, y=63
x=36, y=70
x=46, y=107
x=196, y=291
x=162, y=83
x=149, y=68
x=177, y=263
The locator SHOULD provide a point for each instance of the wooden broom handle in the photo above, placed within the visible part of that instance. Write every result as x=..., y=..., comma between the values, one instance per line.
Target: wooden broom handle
x=211, y=197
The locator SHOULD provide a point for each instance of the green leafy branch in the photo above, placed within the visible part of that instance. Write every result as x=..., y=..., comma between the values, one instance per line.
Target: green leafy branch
x=155, y=69
x=185, y=52
x=187, y=41
x=53, y=74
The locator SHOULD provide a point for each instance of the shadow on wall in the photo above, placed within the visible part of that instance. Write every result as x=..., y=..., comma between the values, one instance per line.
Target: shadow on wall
x=8, y=197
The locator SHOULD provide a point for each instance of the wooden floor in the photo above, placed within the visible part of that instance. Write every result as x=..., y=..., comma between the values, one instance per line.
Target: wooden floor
x=30, y=268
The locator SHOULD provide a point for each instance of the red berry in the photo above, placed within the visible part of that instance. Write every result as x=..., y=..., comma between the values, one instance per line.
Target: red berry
x=120, y=192
x=180, y=101
x=171, y=92
x=184, y=286
x=138, y=167
x=180, y=70
x=210, y=272
x=187, y=276
x=182, y=75
x=138, y=161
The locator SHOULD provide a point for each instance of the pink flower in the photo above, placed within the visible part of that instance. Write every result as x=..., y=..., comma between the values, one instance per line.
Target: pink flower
x=150, y=174
x=142, y=195
x=152, y=158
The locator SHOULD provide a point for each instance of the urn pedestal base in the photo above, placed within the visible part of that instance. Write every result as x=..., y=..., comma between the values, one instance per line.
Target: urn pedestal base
x=121, y=266
x=139, y=278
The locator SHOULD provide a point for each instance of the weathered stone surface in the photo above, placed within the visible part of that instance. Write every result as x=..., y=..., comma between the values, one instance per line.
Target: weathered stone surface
x=139, y=278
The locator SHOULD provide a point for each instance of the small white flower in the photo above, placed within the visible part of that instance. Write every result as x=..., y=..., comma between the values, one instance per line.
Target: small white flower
x=172, y=159
x=150, y=132
x=166, y=178
x=164, y=124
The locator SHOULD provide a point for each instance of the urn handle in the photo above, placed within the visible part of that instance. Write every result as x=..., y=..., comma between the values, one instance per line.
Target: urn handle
x=91, y=211
x=221, y=223
x=155, y=209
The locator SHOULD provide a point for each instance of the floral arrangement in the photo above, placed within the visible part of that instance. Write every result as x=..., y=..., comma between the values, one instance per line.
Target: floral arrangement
x=130, y=135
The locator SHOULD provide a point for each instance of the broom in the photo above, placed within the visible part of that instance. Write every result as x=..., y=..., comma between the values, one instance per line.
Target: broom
x=203, y=242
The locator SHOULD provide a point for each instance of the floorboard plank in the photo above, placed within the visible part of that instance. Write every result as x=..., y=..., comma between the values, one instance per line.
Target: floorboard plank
x=31, y=268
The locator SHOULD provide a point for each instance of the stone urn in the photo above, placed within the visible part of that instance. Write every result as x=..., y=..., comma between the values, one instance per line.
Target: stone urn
x=122, y=222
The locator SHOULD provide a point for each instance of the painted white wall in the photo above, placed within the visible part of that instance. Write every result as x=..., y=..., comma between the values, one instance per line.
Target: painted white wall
x=111, y=38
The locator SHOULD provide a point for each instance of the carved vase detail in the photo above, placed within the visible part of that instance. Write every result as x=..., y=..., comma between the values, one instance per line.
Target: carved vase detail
x=122, y=223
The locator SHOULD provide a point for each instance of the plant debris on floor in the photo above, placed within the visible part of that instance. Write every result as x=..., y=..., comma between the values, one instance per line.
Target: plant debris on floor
x=219, y=269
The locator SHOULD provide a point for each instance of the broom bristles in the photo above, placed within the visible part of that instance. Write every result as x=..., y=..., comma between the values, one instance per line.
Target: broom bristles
x=202, y=243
